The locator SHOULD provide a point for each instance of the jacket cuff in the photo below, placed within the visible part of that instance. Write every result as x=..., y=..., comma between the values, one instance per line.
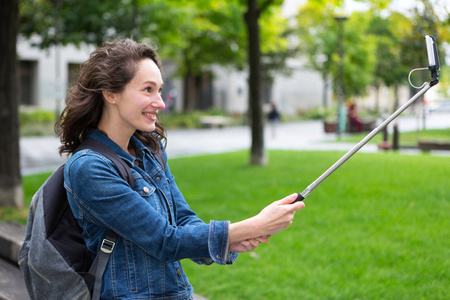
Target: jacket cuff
x=218, y=243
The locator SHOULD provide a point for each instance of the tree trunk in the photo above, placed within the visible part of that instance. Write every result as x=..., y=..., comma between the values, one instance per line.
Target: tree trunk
x=258, y=154
x=190, y=94
x=189, y=87
x=10, y=179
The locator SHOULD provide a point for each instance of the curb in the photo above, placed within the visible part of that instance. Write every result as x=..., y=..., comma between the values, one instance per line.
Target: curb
x=11, y=238
x=12, y=285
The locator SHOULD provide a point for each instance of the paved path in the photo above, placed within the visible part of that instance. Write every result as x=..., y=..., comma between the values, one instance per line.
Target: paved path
x=40, y=153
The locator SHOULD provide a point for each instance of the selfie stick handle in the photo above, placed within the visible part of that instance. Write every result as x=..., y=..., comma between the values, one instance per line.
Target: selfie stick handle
x=358, y=146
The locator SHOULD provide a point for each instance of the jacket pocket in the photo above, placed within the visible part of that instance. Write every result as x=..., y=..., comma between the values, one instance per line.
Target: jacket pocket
x=148, y=192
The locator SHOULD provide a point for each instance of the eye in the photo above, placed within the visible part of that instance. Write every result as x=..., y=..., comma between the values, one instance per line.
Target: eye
x=148, y=89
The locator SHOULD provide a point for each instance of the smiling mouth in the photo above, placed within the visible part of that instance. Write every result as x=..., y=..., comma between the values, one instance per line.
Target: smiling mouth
x=151, y=115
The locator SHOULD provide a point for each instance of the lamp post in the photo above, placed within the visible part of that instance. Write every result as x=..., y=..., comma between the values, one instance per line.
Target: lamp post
x=340, y=86
x=58, y=32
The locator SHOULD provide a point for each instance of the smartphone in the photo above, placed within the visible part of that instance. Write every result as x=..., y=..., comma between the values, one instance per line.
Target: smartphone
x=433, y=60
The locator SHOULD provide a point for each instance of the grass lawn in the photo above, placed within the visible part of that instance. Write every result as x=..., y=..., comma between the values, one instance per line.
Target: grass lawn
x=378, y=228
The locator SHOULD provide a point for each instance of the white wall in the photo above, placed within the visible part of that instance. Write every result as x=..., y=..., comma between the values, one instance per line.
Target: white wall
x=49, y=89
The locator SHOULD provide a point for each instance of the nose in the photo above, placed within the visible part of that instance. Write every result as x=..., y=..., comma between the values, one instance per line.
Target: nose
x=159, y=102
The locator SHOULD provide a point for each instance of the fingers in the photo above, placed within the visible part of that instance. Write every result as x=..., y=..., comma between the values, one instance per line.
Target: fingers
x=298, y=205
x=263, y=239
x=254, y=243
x=245, y=246
x=288, y=199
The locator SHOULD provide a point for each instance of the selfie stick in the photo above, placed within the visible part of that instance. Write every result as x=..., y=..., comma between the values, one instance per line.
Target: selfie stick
x=433, y=66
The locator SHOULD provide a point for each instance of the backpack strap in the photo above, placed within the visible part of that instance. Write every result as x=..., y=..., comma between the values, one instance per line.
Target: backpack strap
x=124, y=169
x=161, y=159
x=101, y=260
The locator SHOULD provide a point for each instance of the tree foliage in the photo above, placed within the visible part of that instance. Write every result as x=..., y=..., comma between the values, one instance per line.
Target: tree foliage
x=195, y=34
x=319, y=42
x=381, y=46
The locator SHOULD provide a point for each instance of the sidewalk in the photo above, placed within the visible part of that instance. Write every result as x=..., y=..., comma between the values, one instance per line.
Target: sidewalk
x=40, y=154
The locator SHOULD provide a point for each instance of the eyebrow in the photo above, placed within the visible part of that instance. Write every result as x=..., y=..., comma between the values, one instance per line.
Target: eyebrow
x=152, y=83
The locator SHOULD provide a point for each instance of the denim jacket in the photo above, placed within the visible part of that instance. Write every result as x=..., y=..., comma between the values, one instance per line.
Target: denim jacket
x=156, y=227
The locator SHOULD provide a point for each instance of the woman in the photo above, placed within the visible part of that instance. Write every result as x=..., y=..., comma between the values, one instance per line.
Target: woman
x=116, y=101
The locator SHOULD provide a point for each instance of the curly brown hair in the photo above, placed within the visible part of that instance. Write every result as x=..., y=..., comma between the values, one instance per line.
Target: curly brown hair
x=110, y=68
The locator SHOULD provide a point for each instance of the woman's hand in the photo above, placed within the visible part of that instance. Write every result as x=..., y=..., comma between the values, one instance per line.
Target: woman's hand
x=278, y=215
x=249, y=245
x=272, y=219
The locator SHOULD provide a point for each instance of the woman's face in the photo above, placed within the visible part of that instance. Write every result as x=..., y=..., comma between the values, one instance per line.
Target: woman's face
x=139, y=103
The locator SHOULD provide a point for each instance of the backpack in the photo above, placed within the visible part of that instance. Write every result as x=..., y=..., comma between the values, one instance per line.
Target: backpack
x=54, y=258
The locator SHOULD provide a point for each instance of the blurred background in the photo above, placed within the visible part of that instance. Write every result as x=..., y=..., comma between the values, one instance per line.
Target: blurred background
x=204, y=46
x=379, y=230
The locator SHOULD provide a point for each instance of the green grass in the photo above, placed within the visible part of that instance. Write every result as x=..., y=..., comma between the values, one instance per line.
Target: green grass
x=37, y=123
x=30, y=185
x=410, y=138
x=378, y=228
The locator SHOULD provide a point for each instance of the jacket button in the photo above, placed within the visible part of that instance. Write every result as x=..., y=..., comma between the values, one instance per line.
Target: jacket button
x=218, y=256
x=146, y=190
x=179, y=273
x=158, y=178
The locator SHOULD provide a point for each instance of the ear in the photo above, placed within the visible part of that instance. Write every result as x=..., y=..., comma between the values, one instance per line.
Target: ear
x=109, y=96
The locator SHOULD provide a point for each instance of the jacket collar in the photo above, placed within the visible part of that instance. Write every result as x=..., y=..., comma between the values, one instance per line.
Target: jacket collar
x=104, y=139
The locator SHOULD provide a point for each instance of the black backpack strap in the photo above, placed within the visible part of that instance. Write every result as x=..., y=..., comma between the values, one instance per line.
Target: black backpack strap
x=124, y=169
x=101, y=260
x=161, y=159
x=159, y=156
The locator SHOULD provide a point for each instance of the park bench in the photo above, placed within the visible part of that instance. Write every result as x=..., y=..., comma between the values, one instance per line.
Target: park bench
x=214, y=121
x=430, y=145
x=368, y=125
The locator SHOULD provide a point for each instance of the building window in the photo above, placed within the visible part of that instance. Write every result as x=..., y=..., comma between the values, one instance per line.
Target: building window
x=74, y=72
x=26, y=88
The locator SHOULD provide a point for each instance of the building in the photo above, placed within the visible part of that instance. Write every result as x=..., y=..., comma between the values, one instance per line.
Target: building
x=45, y=75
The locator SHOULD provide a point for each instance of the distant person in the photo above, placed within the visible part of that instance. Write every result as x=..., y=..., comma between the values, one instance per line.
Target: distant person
x=116, y=101
x=352, y=116
x=274, y=117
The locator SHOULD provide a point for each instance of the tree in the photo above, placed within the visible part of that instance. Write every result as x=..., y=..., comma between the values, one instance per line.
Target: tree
x=252, y=16
x=359, y=59
x=318, y=39
x=211, y=34
x=10, y=178
x=195, y=34
x=424, y=21
x=258, y=155
x=318, y=34
x=76, y=21
x=389, y=69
